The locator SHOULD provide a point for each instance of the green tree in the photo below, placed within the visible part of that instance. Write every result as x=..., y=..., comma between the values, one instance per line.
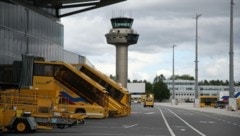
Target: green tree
x=226, y=82
x=237, y=83
x=135, y=81
x=160, y=89
x=182, y=77
x=206, y=82
x=158, y=78
x=148, y=87
x=186, y=77
x=113, y=77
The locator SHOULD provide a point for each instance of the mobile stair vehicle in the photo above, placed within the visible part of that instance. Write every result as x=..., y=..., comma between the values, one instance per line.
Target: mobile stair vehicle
x=79, y=91
x=56, y=79
x=119, y=96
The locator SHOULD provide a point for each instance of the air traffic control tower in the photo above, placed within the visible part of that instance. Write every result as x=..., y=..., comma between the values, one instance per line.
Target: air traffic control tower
x=122, y=35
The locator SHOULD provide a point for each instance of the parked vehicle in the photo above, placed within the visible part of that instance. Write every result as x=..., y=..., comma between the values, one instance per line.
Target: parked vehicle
x=149, y=100
x=221, y=104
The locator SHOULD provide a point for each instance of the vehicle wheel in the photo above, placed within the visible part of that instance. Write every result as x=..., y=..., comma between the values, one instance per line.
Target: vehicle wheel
x=61, y=126
x=80, y=111
x=21, y=126
x=81, y=121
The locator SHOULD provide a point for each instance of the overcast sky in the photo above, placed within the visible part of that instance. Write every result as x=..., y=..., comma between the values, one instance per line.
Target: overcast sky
x=160, y=24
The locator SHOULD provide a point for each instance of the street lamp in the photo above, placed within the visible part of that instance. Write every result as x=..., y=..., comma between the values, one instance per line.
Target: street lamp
x=173, y=81
x=196, y=60
x=231, y=68
x=231, y=101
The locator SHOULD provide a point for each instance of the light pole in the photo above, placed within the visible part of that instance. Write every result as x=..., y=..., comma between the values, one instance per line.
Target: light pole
x=231, y=101
x=173, y=81
x=231, y=67
x=196, y=103
x=196, y=58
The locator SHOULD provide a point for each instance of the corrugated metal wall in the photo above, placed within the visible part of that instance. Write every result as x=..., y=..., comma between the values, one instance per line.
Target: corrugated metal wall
x=70, y=57
x=23, y=31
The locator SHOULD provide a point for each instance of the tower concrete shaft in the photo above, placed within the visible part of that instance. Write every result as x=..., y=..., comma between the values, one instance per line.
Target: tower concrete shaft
x=122, y=64
x=121, y=36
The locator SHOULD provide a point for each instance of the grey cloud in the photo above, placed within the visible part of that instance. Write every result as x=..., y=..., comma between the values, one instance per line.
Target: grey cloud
x=160, y=23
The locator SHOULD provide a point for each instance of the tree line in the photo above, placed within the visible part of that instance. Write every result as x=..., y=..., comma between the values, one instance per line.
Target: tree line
x=157, y=87
x=188, y=77
x=161, y=91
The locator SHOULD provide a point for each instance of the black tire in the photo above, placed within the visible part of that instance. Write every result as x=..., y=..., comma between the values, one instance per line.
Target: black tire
x=81, y=121
x=73, y=124
x=21, y=126
x=80, y=111
x=61, y=126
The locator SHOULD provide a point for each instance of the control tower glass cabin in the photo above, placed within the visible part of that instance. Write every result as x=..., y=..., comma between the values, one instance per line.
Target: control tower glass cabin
x=121, y=32
x=122, y=35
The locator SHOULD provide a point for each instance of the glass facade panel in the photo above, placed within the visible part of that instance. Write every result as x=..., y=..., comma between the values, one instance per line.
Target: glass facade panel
x=23, y=31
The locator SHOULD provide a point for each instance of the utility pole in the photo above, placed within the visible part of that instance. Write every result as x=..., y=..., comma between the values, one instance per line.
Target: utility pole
x=196, y=58
x=231, y=66
x=231, y=101
x=196, y=102
x=173, y=81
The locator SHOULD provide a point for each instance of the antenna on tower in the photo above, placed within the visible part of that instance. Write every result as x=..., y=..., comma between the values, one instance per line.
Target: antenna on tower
x=114, y=13
x=130, y=13
x=121, y=13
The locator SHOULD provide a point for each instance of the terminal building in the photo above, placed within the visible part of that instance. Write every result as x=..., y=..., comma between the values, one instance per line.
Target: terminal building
x=26, y=29
x=185, y=89
x=73, y=58
x=34, y=26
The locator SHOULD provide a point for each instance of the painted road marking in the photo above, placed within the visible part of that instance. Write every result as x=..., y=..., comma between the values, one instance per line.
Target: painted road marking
x=207, y=122
x=183, y=129
x=211, y=122
x=187, y=123
x=150, y=113
x=166, y=123
x=225, y=121
x=129, y=126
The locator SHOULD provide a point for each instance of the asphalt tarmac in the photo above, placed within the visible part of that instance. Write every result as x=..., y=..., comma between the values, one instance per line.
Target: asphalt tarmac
x=162, y=120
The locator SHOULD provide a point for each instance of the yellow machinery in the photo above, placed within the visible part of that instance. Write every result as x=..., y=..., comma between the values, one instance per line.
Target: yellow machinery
x=83, y=98
x=208, y=101
x=69, y=101
x=119, y=96
x=238, y=102
x=82, y=93
x=43, y=109
x=20, y=124
x=73, y=82
x=148, y=100
x=79, y=91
